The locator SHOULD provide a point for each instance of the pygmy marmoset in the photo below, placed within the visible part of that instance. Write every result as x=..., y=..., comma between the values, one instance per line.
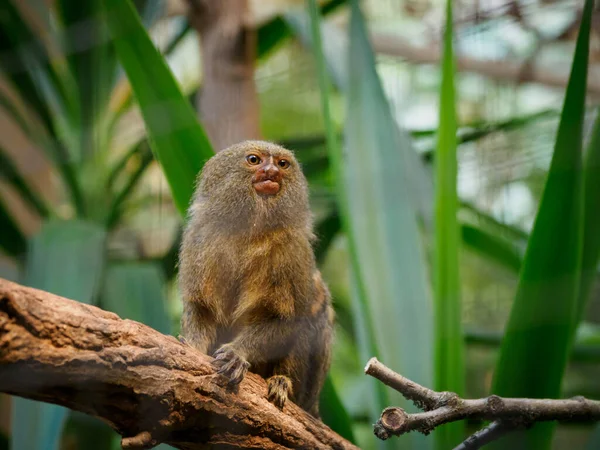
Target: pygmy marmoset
x=252, y=295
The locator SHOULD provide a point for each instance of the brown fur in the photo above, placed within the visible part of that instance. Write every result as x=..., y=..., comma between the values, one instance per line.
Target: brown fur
x=252, y=294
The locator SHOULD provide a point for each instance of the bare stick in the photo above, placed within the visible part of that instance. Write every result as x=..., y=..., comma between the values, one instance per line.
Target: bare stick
x=148, y=387
x=493, y=431
x=445, y=407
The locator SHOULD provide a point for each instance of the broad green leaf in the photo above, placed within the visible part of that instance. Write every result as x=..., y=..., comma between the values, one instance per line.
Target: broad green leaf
x=543, y=318
x=591, y=205
x=336, y=50
x=64, y=258
x=12, y=240
x=373, y=184
x=384, y=220
x=449, y=351
x=122, y=98
x=36, y=425
x=177, y=139
x=136, y=291
x=379, y=396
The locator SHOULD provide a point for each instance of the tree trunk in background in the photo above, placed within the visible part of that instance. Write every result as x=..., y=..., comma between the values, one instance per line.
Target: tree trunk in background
x=228, y=103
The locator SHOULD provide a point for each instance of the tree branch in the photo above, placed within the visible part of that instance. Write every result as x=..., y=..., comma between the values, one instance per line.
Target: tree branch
x=493, y=431
x=503, y=70
x=445, y=407
x=228, y=103
x=147, y=386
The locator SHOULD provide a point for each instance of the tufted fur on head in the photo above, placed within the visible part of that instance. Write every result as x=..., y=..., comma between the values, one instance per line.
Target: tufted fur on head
x=226, y=198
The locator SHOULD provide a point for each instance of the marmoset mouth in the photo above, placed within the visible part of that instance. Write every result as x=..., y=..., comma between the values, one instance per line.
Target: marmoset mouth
x=267, y=187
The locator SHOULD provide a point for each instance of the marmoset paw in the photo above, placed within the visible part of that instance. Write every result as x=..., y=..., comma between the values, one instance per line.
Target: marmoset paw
x=280, y=387
x=230, y=364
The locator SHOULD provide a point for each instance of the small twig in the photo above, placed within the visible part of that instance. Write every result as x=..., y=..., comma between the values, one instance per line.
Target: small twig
x=423, y=398
x=445, y=407
x=493, y=431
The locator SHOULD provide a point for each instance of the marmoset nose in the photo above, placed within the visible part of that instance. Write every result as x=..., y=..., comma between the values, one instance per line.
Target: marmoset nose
x=271, y=171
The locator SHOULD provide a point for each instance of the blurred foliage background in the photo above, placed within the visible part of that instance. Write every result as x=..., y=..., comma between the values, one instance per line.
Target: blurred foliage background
x=87, y=212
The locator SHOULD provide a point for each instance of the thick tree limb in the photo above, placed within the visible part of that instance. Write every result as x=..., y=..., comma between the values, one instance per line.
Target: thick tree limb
x=147, y=386
x=445, y=407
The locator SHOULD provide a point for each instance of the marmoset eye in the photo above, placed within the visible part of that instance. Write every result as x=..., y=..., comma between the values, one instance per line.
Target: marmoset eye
x=253, y=159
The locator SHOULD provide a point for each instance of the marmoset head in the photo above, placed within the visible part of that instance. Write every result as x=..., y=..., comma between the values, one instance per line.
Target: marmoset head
x=254, y=184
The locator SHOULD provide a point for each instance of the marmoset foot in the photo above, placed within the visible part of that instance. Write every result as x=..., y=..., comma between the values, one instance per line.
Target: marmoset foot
x=230, y=364
x=280, y=387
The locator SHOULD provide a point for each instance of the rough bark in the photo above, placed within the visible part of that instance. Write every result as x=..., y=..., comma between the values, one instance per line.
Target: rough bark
x=228, y=104
x=147, y=386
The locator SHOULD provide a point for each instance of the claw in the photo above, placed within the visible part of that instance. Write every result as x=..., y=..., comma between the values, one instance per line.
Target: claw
x=230, y=365
x=280, y=387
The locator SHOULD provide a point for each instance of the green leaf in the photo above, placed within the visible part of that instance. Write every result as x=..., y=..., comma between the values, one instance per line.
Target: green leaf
x=121, y=197
x=12, y=240
x=326, y=231
x=486, y=221
x=594, y=442
x=36, y=425
x=150, y=10
x=176, y=138
x=391, y=302
x=4, y=442
x=16, y=63
x=492, y=246
x=67, y=258
x=585, y=349
x=384, y=220
x=87, y=432
x=93, y=66
x=449, y=351
x=591, y=225
x=25, y=62
x=274, y=32
x=543, y=318
x=333, y=412
x=136, y=291
x=64, y=258
x=10, y=173
x=334, y=45
x=336, y=52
